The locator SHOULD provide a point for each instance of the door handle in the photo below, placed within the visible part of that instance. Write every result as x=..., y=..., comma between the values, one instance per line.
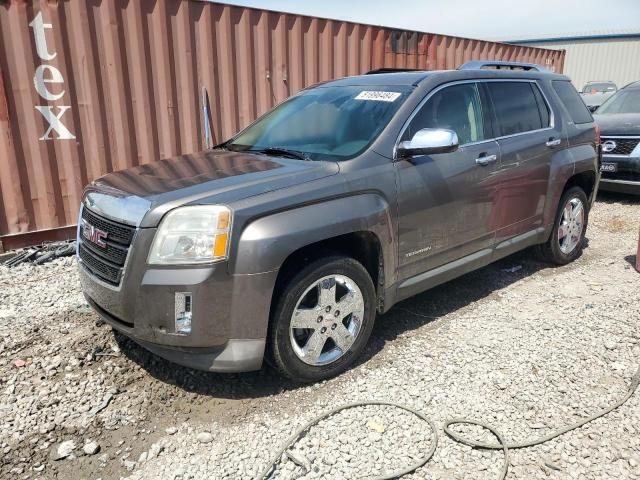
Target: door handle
x=486, y=160
x=553, y=142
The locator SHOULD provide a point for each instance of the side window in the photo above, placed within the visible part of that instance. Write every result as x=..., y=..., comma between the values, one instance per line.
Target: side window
x=516, y=107
x=457, y=108
x=543, y=107
x=577, y=109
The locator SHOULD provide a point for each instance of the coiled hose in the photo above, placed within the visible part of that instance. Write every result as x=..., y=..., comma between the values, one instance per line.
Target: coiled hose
x=501, y=445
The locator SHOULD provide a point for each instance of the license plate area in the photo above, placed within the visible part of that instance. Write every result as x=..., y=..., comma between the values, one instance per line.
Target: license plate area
x=609, y=167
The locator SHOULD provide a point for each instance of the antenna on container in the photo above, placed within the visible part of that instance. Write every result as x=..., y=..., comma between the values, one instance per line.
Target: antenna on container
x=207, y=139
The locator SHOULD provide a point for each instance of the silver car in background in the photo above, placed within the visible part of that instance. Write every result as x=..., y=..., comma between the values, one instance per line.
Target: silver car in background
x=595, y=94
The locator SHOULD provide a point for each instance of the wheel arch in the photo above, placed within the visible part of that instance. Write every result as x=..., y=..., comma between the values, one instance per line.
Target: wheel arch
x=357, y=226
x=363, y=246
x=576, y=166
x=586, y=180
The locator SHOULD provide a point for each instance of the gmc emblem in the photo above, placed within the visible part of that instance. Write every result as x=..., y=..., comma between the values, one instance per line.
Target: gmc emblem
x=93, y=234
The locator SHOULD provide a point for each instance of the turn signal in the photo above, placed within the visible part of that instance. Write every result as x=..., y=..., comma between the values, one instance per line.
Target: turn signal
x=220, y=245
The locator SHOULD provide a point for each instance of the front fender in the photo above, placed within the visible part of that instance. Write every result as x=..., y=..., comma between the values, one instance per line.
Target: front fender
x=266, y=242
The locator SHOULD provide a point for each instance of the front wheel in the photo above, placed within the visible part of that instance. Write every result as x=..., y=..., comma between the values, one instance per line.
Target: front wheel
x=323, y=319
x=567, y=238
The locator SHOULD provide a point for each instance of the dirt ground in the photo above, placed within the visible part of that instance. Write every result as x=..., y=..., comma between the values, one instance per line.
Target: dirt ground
x=523, y=345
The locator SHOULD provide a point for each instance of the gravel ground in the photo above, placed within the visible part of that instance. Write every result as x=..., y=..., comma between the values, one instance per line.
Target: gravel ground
x=521, y=346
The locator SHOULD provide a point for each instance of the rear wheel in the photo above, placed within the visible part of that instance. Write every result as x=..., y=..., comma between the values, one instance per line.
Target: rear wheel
x=567, y=238
x=323, y=319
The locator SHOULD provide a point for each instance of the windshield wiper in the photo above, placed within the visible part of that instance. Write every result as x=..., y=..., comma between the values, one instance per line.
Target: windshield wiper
x=282, y=152
x=221, y=146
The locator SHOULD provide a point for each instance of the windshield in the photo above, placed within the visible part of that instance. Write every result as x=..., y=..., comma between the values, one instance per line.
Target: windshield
x=599, y=88
x=323, y=123
x=625, y=101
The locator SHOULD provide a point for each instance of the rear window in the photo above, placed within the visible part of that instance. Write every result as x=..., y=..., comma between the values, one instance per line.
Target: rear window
x=516, y=107
x=602, y=87
x=578, y=111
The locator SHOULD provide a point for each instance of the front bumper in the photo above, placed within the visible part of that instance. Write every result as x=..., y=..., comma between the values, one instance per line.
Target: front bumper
x=627, y=177
x=230, y=313
x=236, y=355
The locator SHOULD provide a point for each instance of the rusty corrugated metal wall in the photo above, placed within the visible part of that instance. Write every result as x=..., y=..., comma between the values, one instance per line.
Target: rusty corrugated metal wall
x=88, y=87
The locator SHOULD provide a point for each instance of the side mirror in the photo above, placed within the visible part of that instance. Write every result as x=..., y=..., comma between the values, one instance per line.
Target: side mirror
x=429, y=141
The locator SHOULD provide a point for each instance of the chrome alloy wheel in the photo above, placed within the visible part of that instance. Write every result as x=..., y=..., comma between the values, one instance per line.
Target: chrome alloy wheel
x=571, y=224
x=326, y=320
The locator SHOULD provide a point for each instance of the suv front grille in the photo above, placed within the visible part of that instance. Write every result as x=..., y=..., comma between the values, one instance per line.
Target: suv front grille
x=627, y=176
x=105, y=262
x=624, y=146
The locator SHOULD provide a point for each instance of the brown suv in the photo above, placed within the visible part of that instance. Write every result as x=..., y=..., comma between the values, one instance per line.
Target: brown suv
x=350, y=196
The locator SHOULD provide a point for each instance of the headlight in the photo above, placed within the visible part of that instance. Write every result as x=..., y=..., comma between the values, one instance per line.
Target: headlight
x=195, y=234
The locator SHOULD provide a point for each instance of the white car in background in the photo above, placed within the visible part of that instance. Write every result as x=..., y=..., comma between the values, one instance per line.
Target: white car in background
x=594, y=94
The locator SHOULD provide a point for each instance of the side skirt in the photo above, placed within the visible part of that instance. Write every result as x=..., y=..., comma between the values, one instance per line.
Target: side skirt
x=432, y=278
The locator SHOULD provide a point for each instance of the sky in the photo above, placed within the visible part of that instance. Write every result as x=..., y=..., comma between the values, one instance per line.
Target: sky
x=484, y=19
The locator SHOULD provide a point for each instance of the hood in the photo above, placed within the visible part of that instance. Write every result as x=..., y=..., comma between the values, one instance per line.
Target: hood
x=141, y=195
x=618, y=123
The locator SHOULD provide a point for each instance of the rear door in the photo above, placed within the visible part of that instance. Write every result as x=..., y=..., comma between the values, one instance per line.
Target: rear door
x=527, y=138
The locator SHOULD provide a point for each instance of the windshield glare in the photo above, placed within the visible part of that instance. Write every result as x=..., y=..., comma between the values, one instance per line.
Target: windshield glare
x=331, y=123
x=625, y=101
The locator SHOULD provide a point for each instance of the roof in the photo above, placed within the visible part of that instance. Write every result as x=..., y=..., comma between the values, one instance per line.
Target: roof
x=407, y=78
x=633, y=85
x=413, y=78
x=580, y=36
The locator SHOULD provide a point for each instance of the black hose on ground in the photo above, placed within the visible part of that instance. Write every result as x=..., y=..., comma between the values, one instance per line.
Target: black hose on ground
x=501, y=445
x=43, y=253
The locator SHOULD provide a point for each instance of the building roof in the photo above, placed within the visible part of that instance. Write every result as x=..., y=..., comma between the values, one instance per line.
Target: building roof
x=591, y=35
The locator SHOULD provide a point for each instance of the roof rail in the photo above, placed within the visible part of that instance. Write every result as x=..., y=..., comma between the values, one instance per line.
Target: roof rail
x=391, y=70
x=498, y=64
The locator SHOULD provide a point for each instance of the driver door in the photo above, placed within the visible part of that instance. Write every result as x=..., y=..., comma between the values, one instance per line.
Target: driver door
x=446, y=201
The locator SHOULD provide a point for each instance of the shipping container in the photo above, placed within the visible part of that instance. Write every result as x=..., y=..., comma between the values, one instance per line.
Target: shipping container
x=92, y=86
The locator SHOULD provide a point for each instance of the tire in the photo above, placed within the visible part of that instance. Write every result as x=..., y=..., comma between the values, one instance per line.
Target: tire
x=309, y=338
x=559, y=249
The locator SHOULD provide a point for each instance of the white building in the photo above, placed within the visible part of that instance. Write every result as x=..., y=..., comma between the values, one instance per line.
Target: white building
x=600, y=55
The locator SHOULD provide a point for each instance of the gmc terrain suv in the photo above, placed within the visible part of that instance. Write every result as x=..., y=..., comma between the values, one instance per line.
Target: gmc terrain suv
x=619, y=121
x=285, y=241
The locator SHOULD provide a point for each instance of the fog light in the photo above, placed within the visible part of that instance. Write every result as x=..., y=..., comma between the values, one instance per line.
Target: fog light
x=183, y=313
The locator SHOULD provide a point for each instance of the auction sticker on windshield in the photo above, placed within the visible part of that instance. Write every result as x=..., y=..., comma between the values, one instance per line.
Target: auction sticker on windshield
x=378, y=96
